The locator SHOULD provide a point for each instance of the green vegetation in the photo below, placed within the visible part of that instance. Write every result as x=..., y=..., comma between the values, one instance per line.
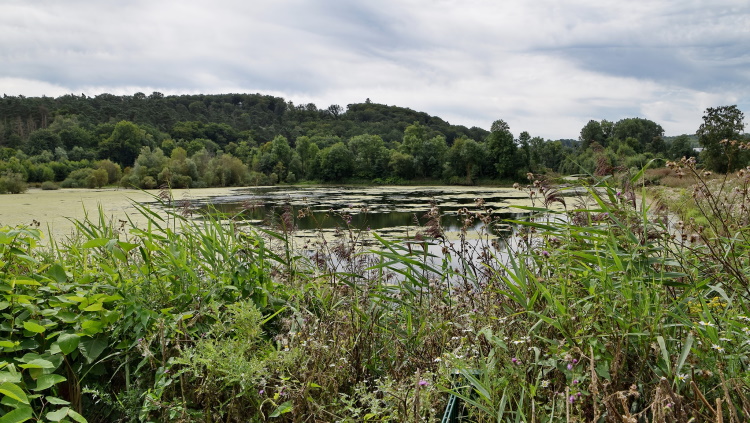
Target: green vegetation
x=604, y=311
x=251, y=139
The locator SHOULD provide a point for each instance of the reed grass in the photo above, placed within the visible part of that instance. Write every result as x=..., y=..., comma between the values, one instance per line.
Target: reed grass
x=609, y=310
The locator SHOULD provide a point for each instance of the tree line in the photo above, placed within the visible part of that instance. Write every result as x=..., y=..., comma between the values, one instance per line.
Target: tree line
x=253, y=139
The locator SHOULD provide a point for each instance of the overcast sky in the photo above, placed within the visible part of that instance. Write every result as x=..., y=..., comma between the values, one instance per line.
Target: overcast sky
x=544, y=66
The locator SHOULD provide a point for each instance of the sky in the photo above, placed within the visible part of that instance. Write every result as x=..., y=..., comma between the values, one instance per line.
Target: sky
x=543, y=66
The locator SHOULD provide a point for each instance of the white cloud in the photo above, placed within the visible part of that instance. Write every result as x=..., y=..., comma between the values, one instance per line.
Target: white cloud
x=545, y=67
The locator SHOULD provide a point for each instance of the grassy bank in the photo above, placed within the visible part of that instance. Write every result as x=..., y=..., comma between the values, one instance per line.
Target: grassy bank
x=602, y=312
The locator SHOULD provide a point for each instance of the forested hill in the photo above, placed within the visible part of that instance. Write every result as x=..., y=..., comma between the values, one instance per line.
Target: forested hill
x=253, y=139
x=262, y=117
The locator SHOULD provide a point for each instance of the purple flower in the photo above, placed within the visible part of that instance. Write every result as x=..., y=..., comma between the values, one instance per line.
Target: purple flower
x=570, y=366
x=575, y=381
x=571, y=399
x=261, y=392
x=423, y=382
x=514, y=360
x=575, y=361
x=545, y=253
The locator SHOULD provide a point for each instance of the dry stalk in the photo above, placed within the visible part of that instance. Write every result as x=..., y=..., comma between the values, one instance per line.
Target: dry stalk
x=701, y=397
x=732, y=412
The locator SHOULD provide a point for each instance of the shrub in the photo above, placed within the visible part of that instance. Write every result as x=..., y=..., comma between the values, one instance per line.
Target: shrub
x=13, y=183
x=49, y=185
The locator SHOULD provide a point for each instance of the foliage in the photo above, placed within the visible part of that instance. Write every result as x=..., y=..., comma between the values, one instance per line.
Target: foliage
x=720, y=136
x=598, y=309
x=13, y=183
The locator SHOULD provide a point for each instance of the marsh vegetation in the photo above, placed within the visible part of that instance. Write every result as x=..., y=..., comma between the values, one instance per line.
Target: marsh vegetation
x=604, y=310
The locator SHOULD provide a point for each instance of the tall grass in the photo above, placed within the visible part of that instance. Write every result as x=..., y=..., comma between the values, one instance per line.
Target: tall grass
x=608, y=310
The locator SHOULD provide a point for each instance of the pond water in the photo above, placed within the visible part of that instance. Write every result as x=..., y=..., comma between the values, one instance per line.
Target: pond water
x=393, y=211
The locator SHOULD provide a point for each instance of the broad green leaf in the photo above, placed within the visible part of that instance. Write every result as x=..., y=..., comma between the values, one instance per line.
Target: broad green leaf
x=8, y=344
x=68, y=342
x=12, y=377
x=33, y=327
x=57, y=273
x=92, y=327
x=48, y=381
x=25, y=281
x=282, y=409
x=56, y=401
x=38, y=363
x=92, y=348
x=96, y=242
x=77, y=417
x=94, y=307
x=13, y=391
x=57, y=415
x=20, y=414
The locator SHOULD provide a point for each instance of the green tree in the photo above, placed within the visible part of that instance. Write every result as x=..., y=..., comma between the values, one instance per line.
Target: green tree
x=125, y=143
x=502, y=149
x=591, y=132
x=465, y=157
x=680, y=147
x=114, y=171
x=647, y=133
x=337, y=162
x=370, y=156
x=42, y=140
x=401, y=164
x=718, y=135
x=308, y=152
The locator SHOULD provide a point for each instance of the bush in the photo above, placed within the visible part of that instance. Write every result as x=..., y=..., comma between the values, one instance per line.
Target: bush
x=12, y=183
x=49, y=185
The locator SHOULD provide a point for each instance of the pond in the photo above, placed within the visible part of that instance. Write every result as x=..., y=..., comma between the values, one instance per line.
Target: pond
x=315, y=213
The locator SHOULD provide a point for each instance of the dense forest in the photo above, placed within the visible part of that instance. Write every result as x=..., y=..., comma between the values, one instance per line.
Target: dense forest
x=155, y=140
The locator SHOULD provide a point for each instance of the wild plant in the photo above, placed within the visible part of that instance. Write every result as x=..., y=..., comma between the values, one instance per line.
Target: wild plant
x=619, y=323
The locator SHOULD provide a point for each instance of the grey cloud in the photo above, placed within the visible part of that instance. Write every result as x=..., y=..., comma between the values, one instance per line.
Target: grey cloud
x=467, y=61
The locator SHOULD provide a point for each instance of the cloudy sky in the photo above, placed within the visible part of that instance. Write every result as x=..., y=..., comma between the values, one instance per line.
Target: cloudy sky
x=544, y=66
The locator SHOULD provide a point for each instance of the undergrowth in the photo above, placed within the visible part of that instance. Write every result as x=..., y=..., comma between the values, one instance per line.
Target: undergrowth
x=598, y=308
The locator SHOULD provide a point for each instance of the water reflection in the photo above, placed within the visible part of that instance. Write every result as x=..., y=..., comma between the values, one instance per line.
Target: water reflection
x=382, y=209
